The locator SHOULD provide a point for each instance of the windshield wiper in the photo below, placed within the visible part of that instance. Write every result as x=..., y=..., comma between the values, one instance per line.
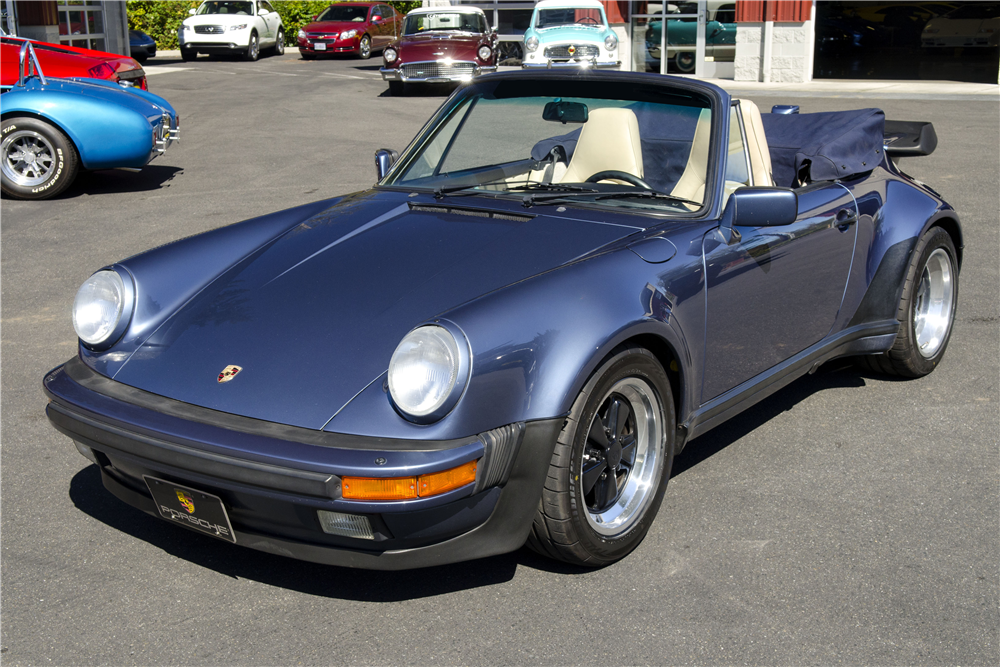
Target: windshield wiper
x=531, y=200
x=441, y=191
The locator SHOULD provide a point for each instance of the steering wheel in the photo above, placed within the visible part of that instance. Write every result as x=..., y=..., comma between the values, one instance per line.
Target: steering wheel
x=588, y=18
x=614, y=174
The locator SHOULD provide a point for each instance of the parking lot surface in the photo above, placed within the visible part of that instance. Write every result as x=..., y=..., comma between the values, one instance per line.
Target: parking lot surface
x=850, y=518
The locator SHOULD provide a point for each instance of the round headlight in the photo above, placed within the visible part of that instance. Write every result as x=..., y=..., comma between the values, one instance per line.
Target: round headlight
x=611, y=42
x=390, y=55
x=302, y=34
x=427, y=373
x=98, y=308
x=531, y=44
x=485, y=52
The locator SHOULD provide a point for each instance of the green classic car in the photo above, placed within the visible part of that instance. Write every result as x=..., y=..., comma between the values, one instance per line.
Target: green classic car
x=720, y=36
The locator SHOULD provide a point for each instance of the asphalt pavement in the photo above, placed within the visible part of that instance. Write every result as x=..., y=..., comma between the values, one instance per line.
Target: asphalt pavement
x=848, y=519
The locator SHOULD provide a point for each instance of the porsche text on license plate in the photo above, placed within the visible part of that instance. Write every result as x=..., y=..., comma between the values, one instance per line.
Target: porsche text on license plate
x=320, y=46
x=191, y=507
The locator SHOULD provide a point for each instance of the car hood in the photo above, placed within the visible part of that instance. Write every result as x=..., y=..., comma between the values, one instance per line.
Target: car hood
x=415, y=48
x=313, y=318
x=335, y=26
x=219, y=19
x=566, y=33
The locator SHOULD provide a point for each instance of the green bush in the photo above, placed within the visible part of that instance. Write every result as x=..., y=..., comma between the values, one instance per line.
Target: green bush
x=160, y=19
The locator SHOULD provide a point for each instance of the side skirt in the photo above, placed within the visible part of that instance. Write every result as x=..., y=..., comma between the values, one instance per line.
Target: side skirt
x=870, y=338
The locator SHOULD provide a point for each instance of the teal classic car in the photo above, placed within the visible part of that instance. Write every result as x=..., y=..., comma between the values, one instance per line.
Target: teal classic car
x=720, y=36
x=570, y=33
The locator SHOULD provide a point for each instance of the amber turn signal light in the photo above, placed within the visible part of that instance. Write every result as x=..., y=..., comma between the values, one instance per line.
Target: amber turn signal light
x=405, y=488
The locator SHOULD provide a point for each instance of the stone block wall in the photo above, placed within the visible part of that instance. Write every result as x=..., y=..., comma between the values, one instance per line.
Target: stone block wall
x=791, y=57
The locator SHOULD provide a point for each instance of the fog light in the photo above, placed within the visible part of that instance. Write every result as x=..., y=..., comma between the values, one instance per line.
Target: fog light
x=345, y=525
x=87, y=452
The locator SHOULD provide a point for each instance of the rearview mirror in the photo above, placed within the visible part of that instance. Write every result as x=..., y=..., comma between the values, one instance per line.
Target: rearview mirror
x=565, y=112
x=758, y=207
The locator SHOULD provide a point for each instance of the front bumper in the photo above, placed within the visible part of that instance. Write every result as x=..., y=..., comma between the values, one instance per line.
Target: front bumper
x=320, y=46
x=228, y=41
x=576, y=63
x=272, y=479
x=440, y=71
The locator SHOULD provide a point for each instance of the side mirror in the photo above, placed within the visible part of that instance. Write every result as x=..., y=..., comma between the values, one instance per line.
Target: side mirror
x=384, y=159
x=191, y=11
x=758, y=207
x=315, y=17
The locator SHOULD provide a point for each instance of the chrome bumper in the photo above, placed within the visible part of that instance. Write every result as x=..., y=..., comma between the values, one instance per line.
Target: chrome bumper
x=439, y=76
x=589, y=63
x=167, y=133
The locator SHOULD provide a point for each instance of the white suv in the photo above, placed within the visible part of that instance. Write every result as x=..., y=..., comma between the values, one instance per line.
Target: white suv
x=239, y=27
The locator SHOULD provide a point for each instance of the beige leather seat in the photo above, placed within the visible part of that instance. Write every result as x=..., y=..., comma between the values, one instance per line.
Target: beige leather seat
x=760, y=157
x=692, y=182
x=609, y=140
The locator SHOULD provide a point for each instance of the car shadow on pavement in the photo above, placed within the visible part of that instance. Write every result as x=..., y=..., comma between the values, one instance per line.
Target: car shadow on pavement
x=118, y=180
x=839, y=373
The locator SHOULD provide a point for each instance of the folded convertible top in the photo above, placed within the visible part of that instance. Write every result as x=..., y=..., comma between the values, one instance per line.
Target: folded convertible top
x=823, y=146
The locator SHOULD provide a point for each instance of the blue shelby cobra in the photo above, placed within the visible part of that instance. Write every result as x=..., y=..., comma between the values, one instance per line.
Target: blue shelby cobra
x=53, y=127
x=564, y=279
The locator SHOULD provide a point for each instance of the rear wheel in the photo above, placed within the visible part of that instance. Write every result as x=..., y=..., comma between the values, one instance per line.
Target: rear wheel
x=279, y=44
x=926, y=310
x=36, y=159
x=685, y=61
x=610, y=466
x=253, y=48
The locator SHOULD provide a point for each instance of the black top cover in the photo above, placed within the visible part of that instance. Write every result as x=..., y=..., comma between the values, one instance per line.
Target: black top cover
x=823, y=146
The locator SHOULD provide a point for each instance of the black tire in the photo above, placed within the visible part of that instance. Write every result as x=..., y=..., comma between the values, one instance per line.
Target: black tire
x=919, y=346
x=140, y=57
x=307, y=56
x=279, y=44
x=571, y=523
x=188, y=54
x=685, y=61
x=397, y=88
x=365, y=48
x=253, y=48
x=51, y=164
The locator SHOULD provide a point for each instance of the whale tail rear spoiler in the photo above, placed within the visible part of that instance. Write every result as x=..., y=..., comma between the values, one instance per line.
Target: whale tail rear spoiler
x=905, y=138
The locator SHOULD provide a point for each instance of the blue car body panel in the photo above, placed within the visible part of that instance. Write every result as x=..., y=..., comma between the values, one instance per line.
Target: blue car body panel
x=312, y=302
x=109, y=126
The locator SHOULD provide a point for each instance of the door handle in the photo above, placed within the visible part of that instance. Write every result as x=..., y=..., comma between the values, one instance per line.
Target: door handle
x=845, y=218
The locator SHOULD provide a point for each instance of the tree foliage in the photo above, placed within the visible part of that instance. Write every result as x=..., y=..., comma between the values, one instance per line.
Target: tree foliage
x=160, y=19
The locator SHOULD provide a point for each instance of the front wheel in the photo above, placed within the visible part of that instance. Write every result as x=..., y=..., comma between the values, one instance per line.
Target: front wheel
x=365, y=48
x=926, y=310
x=397, y=88
x=610, y=466
x=279, y=44
x=37, y=160
x=253, y=48
x=188, y=55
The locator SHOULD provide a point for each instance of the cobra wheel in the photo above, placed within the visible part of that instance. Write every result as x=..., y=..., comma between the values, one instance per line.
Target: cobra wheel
x=611, y=463
x=926, y=310
x=36, y=159
x=365, y=48
x=279, y=44
x=253, y=48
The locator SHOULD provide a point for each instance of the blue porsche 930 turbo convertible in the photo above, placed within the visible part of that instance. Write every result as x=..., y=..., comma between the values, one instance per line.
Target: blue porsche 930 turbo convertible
x=53, y=127
x=565, y=278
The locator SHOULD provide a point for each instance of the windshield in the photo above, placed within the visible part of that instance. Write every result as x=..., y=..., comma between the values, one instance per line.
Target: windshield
x=343, y=13
x=561, y=136
x=241, y=8
x=548, y=18
x=465, y=22
x=977, y=11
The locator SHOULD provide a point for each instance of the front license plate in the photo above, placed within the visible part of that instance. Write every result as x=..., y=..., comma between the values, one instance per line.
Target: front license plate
x=320, y=46
x=191, y=507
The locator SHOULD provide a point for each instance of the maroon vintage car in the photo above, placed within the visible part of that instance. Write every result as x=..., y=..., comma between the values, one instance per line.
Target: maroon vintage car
x=350, y=27
x=440, y=45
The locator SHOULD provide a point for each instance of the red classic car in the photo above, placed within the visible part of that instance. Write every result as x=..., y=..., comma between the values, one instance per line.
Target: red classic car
x=440, y=45
x=350, y=27
x=60, y=60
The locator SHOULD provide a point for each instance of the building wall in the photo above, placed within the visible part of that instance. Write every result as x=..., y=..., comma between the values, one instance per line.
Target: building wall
x=789, y=57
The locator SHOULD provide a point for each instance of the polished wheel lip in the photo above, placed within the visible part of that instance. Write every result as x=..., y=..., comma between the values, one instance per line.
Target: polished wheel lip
x=933, y=303
x=279, y=45
x=254, y=47
x=40, y=154
x=365, y=47
x=637, y=488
